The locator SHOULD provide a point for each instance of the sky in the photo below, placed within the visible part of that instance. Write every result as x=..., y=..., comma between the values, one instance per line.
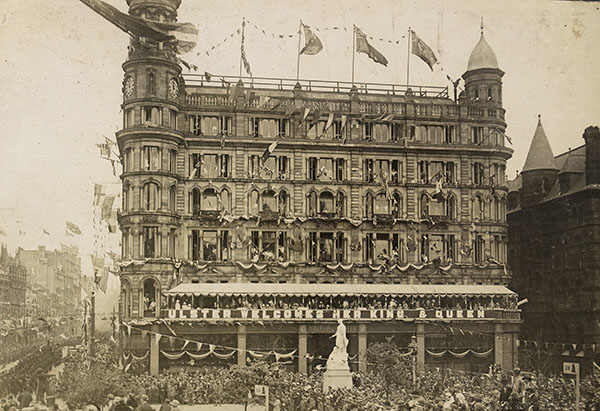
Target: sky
x=60, y=81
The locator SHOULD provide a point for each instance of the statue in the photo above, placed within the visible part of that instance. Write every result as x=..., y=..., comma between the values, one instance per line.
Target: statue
x=337, y=374
x=338, y=359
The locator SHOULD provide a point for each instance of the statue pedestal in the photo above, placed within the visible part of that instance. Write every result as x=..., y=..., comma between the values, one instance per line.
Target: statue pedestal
x=336, y=378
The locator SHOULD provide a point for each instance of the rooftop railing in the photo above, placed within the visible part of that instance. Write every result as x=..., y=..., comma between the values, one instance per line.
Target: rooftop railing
x=269, y=83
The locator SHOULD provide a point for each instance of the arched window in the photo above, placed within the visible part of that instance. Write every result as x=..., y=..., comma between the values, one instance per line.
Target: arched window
x=490, y=94
x=209, y=200
x=126, y=197
x=195, y=201
x=311, y=204
x=397, y=205
x=340, y=204
x=495, y=202
x=451, y=207
x=269, y=201
x=172, y=191
x=424, y=205
x=150, y=197
x=382, y=204
x=151, y=298
x=151, y=83
x=253, y=202
x=283, y=202
x=226, y=201
x=326, y=203
x=369, y=205
x=478, y=208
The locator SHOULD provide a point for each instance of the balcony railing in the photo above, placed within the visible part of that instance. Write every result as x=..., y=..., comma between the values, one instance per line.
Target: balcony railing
x=199, y=80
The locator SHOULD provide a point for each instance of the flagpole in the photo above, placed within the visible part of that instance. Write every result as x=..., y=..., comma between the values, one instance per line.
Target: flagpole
x=353, y=50
x=408, y=61
x=241, y=43
x=298, y=64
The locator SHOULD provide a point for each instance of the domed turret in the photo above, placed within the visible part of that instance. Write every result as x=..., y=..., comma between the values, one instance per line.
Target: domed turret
x=482, y=56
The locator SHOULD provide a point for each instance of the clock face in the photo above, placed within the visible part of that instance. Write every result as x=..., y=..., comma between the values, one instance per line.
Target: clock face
x=173, y=88
x=129, y=86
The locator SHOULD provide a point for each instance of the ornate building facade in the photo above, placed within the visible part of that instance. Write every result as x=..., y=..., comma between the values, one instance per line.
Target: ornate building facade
x=554, y=247
x=304, y=202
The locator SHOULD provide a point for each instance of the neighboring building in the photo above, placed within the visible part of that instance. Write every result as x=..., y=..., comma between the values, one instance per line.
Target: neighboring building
x=54, y=279
x=344, y=217
x=16, y=281
x=554, y=253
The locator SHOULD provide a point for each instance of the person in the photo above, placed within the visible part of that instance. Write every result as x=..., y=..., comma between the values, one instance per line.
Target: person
x=120, y=405
x=505, y=391
x=165, y=406
x=24, y=398
x=145, y=406
x=518, y=383
x=174, y=405
x=131, y=401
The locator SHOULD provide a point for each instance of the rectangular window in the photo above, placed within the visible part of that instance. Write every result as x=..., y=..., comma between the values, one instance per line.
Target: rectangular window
x=173, y=119
x=152, y=116
x=127, y=160
x=194, y=245
x=209, y=246
x=397, y=131
x=382, y=170
x=336, y=127
x=368, y=130
x=340, y=248
x=312, y=247
x=254, y=246
x=478, y=248
x=151, y=242
x=151, y=158
x=369, y=247
x=449, y=134
x=269, y=127
x=283, y=125
x=254, y=166
x=450, y=173
x=312, y=168
x=478, y=173
x=326, y=251
x=326, y=169
x=171, y=243
x=224, y=165
x=424, y=171
x=477, y=135
x=129, y=118
x=339, y=169
x=283, y=167
x=225, y=125
x=195, y=121
x=172, y=162
x=369, y=171
x=195, y=164
x=209, y=168
x=396, y=173
x=381, y=133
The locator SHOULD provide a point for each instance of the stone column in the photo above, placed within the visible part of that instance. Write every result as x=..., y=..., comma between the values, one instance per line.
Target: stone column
x=302, y=348
x=498, y=344
x=154, y=350
x=241, y=345
x=421, y=347
x=362, y=348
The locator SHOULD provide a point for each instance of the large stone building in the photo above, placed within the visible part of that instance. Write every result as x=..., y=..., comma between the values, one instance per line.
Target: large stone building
x=554, y=237
x=379, y=204
x=14, y=278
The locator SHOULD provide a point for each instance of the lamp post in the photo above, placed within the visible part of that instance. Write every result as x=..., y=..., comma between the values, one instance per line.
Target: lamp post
x=414, y=347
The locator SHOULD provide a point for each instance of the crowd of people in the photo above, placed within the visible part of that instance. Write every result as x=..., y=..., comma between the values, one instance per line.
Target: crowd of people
x=342, y=302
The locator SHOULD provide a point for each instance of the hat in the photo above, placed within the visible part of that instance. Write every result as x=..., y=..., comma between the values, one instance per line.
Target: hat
x=517, y=370
x=174, y=403
x=110, y=396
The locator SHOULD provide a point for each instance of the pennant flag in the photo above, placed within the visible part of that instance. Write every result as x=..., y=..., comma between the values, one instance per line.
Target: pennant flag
x=185, y=343
x=73, y=228
x=422, y=50
x=509, y=139
x=305, y=114
x=207, y=76
x=269, y=151
x=363, y=46
x=262, y=100
x=157, y=338
x=183, y=35
x=389, y=117
x=312, y=44
x=315, y=119
x=329, y=121
x=344, y=119
x=243, y=52
x=198, y=346
x=45, y=231
x=144, y=333
x=289, y=111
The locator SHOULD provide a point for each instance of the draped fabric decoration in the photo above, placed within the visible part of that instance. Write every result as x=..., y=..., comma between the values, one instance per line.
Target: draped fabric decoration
x=198, y=356
x=463, y=354
x=143, y=357
x=173, y=356
x=279, y=356
x=224, y=356
x=126, y=356
x=345, y=267
x=258, y=355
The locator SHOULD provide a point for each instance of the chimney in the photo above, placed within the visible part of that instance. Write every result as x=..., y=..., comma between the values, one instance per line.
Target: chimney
x=592, y=155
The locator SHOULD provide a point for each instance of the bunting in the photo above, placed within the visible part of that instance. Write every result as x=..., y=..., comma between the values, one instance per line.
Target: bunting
x=243, y=51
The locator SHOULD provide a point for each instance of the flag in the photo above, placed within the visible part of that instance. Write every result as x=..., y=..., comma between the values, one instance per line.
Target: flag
x=243, y=51
x=508, y=139
x=234, y=92
x=344, y=119
x=73, y=228
x=207, y=76
x=99, y=191
x=422, y=50
x=363, y=46
x=107, y=205
x=315, y=119
x=45, y=231
x=329, y=122
x=183, y=35
x=312, y=44
x=269, y=151
x=305, y=114
x=104, y=150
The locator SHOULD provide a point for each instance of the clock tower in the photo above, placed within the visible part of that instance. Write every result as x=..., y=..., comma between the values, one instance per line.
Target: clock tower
x=149, y=143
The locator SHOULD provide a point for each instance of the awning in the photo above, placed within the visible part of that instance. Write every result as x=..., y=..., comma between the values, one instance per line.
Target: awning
x=292, y=289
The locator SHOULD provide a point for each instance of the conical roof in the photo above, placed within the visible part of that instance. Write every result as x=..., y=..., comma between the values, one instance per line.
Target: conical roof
x=540, y=155
x=482, y=56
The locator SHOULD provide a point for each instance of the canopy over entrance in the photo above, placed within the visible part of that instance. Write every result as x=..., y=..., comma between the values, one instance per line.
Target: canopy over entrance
x=291, y=289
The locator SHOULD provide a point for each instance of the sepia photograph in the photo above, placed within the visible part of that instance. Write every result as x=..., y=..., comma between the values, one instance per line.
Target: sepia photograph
x=342, y=205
